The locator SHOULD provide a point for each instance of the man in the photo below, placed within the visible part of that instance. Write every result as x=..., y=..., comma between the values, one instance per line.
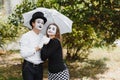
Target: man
x=30, y=48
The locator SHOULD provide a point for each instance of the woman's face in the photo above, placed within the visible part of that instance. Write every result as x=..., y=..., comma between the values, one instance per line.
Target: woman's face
x=51, y=31
x=39, y=23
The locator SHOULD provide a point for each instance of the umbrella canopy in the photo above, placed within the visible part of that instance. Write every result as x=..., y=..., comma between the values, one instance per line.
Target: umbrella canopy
x=53, y=16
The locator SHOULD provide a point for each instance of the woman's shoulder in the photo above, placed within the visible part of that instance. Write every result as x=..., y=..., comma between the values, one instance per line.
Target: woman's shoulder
x=54, y=41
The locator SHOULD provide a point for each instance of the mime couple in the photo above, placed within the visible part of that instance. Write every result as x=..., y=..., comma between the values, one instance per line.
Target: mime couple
x=35, y=48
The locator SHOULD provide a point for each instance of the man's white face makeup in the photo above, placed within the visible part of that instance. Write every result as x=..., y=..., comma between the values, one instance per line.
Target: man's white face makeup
x=52, y=30
x=39, y=23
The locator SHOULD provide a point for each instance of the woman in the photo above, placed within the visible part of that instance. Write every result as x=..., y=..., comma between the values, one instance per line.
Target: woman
x=53, y=52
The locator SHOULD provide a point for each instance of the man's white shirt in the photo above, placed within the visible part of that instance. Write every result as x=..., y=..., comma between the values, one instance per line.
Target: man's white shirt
x=28, y=42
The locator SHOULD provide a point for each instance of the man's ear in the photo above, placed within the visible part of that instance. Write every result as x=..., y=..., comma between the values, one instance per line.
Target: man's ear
x=33, y=25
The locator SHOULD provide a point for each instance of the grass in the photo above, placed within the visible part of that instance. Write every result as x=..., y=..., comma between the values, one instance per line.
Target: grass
x=13, y=72
x=89, y=68
x=99, y=62
x=10, y=72
x=76, y=70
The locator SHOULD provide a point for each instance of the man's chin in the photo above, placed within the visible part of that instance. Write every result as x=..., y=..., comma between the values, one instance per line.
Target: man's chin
x=39, y=29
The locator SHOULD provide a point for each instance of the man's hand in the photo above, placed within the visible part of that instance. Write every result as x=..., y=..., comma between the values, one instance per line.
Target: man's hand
x=37, y=48
x=45, y=40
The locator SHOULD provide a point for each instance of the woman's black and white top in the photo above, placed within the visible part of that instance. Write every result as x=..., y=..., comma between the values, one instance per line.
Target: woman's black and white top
x=53, y=52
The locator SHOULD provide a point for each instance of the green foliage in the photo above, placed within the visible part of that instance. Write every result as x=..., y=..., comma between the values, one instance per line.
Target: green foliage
x=96, y=22
x=104, y=17
x=16, y=17
x=7, y=32
x=79, y=42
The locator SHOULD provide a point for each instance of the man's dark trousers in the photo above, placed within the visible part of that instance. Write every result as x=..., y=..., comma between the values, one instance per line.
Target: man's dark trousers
x=31, y=71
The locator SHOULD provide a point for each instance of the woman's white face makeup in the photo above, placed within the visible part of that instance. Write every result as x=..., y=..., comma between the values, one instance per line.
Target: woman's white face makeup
x=52, y=30
x=39, y=23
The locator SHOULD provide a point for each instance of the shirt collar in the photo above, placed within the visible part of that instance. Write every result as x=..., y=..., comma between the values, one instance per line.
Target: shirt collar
x=40, y=34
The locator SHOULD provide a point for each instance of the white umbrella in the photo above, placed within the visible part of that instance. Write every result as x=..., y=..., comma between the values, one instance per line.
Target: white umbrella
x=53, y=16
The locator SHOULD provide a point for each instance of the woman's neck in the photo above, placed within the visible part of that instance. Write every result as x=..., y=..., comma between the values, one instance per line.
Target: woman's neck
x=52, y=36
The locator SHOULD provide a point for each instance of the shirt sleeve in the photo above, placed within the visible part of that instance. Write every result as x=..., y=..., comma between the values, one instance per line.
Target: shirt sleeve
x=25, y=49
x=50, y=48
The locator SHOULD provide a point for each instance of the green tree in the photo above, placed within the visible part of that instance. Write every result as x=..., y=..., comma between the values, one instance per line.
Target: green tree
x=7, y=32
x=98, y=19
x=103, y=16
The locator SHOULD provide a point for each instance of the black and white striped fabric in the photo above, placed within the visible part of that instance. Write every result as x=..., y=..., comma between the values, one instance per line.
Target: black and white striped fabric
x=64, y=75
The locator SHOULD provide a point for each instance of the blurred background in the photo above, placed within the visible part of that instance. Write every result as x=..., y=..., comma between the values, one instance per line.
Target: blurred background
x=91, y=51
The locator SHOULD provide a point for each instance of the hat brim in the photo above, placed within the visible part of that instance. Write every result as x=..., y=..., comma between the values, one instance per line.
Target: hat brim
x=33, y=19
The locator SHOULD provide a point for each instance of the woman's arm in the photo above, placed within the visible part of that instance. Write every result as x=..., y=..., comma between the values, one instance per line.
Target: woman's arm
x=50, y=48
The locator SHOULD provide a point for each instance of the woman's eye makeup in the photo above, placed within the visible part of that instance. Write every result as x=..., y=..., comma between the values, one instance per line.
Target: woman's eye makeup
x=53, y=29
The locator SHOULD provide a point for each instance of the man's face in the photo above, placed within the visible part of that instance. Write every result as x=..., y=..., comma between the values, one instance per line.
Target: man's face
x=39, y=23
x=52, y=30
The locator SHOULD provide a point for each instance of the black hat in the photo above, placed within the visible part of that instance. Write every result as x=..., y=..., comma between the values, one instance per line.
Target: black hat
x=36, y=16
